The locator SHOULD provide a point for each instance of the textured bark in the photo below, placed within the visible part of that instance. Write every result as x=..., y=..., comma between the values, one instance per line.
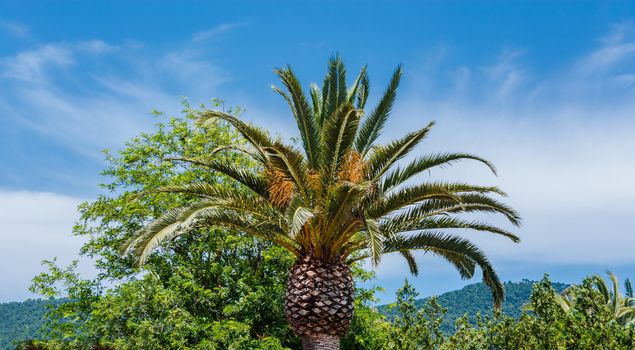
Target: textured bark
x=321, y=342
x=319, y=302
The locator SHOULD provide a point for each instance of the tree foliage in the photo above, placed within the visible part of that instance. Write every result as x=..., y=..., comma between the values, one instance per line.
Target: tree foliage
x=209, y=290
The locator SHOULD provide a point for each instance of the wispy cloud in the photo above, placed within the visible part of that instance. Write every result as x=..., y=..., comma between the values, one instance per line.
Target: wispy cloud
x=30, y=66
x=213, y=33
x=506, y=74
x=95, y=46
x=62, y=97
x=15, y=28
x=616, y=48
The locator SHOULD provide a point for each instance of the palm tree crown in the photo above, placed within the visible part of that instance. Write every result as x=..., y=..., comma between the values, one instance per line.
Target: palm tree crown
x=622, y=307
x=342, y=197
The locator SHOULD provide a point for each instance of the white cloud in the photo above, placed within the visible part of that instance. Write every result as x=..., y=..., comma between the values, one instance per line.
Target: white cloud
x=189, y=69
x=563, y=147
x=505, y=73
x=95, y=46
x=216, y=31
x=29, y=66
x=34, y=226
x=87, y=109
x=15, y=28
x=615, y=48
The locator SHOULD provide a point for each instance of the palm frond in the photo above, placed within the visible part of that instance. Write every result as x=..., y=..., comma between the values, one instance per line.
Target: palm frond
x=374, y=240
x=353, y=91
x=237, y=148
x=255, y=136
x=411, y=195
x=616, y=298
x=316, y=100
x=297, y=217
x=469, y=203
x=421, y=164
x=226, y=197
x=410, y=260
x=242, y=222
x=302, y=112
x=291, y=164
x=334, y=88
x=562, y=301
x=385, y=157
x=337, y=138
x=339, y=207
x=150, y=242
x=255, y=182
x=437, y=242
x=373, y=125
x=406, y=221
x=167, y=221
x=464, y=265
x=362, y=92
x=464, y=188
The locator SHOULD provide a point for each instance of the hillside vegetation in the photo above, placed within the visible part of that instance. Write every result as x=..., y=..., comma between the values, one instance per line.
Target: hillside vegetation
x=22, y=320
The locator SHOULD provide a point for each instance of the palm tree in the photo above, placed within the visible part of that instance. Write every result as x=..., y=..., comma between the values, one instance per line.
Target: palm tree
x=340, y=200
x=622, y=307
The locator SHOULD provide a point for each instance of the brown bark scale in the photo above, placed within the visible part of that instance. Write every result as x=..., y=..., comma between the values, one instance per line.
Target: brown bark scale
x=319, y=302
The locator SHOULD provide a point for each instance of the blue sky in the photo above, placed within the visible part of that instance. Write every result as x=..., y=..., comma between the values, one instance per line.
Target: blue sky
x=546, y=90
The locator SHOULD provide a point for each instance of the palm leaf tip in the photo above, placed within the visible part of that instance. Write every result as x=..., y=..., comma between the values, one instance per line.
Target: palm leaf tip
x=373, y=125
x=302, y=112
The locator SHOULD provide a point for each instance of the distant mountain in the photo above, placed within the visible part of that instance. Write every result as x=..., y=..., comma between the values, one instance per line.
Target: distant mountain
x=21, y=320
x=477, y=298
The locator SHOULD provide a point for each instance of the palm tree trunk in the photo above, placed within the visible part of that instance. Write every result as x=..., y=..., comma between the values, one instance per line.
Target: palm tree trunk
x=321, y=342
x=319, y=302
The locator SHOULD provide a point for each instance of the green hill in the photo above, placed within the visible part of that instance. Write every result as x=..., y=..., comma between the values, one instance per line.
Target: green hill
x=21, y=320
x=476, y=298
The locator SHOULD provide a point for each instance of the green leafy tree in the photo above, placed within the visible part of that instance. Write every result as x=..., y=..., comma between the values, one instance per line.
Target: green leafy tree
x=339, y=200
x=415, y=328
x=203, y=288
